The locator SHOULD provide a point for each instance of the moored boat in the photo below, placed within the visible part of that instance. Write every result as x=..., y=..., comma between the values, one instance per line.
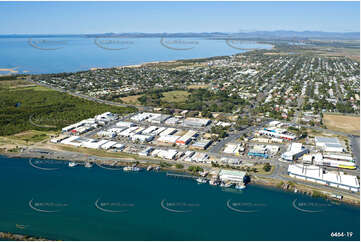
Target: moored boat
x=127, y=168
x=72, y=164
x=131, y=168
x=240, y=186
x=149, y=168
x=201, y=180
x=88, y=165
x=213, y=182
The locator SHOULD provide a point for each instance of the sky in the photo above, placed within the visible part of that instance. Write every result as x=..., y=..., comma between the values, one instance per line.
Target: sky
x=172, y=17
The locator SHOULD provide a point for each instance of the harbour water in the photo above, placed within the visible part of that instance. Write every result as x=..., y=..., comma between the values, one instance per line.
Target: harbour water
x=68, y=54
x=78, y=203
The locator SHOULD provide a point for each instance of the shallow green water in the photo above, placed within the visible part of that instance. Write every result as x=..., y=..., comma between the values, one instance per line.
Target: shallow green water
x=152, y=206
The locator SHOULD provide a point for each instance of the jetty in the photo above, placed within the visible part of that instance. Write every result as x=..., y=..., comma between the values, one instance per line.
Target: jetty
x=178, y=175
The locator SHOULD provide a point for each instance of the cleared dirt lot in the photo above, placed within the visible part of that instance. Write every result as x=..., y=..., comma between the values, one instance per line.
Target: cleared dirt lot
x=131, y=99
x=343, y=123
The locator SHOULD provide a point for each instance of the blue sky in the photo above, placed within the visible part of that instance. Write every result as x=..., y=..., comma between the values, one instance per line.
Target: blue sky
x=151, y=17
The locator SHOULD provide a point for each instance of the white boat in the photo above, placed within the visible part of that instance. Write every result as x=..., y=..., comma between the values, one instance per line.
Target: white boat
x=127, y=168
x=213, y=182
x=149, y=168
x=240, y=186
x=131, y=168
x=226, y=184
x=203, y=173
x=88, y=165
x=157, y=168
x=134, y=168
x=72, y=164
x=201, y=180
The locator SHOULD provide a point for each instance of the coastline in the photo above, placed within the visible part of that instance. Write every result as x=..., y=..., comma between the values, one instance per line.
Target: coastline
x=256, y=179
x=21, y=237
x=142, y=64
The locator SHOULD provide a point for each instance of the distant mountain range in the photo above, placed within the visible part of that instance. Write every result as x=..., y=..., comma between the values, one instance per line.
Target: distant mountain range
x=262, y=35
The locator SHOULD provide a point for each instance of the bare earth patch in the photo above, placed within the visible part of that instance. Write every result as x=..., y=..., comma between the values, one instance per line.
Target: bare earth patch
x=131, y=99
x=342, y=123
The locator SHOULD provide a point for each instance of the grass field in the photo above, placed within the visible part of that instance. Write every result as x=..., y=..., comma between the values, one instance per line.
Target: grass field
x=342, y=123
x=175, y=96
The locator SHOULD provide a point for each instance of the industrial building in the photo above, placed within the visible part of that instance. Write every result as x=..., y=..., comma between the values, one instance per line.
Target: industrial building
x=294, y=151
x=168, y=131
x=231, y=176
x=150, y=130
x=196, y=122
x=124, y=124
x=142, y=137
x=201, y=144
x=185, y=139
x=277, y=133
x=141, y=117
x=258, y=151
x=235, y=149
x=159, y=118
x=94, y=144
x=230, y=161
x=128, y=132
x=108, y=145
x=172, y=121
x=72, y=140
x=105, y=118
x=331, y=160
x=329, y=144
x=169, y=139
x=319, y=175
x=165, y=154
x=199, y=157
x=146, y=151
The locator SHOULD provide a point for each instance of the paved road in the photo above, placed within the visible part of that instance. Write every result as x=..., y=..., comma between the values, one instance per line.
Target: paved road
x=355, y=145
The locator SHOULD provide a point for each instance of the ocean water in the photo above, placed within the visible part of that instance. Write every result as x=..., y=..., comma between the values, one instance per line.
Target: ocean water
x=68, y=54
x=99, y=204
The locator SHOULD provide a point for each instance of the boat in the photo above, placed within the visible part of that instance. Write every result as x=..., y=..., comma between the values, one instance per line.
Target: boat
x=131, y=168
x=240, y=186
x=226, y=184
x=213, y=182
x=201, y=180
x=127, y=168
x=149, y=168
x=88, y=165
x=157, y=168
x=203, y=173
x=72, y=164
x=135, y=168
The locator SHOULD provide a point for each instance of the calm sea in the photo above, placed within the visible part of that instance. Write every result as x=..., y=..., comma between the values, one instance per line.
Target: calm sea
x=52, y=55
x=99, y=204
